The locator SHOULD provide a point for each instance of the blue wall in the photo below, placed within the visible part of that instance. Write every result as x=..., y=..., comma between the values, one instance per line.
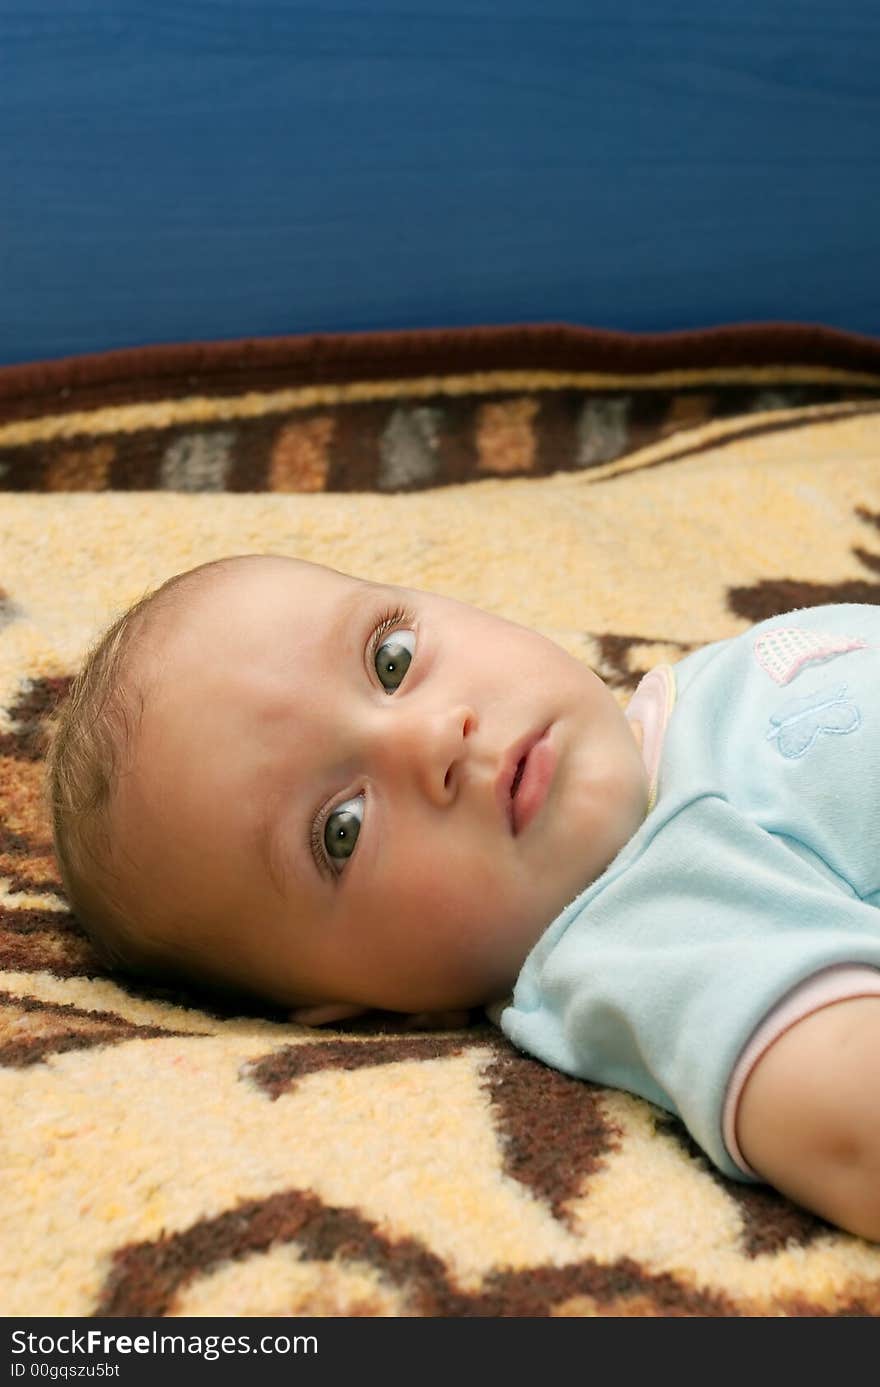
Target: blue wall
x=174, y=170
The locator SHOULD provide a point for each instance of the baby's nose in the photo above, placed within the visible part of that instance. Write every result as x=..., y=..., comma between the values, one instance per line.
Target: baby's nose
x=431, y=747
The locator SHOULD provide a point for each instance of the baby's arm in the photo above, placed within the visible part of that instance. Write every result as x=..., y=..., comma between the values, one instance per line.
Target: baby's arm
x=808, y=1120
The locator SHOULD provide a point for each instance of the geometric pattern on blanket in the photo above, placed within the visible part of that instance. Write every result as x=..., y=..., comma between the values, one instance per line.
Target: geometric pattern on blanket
x=166, y=1154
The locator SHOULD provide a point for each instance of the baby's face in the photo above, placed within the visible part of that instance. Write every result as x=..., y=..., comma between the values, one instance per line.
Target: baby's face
x=322, y=788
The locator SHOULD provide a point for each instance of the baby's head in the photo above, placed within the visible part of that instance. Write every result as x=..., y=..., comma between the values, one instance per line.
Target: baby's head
x=331, y=793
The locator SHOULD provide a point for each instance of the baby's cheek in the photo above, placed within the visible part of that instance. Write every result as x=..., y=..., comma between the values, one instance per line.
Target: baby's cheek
x=467, y=895
x=442, y=891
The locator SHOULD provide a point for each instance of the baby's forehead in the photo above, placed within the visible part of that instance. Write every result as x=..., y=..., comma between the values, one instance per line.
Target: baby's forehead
x=252, y=571
x=231, y=591
x=200, y=588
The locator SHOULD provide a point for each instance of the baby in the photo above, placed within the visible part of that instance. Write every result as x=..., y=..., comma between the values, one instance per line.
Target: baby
x=340, y=795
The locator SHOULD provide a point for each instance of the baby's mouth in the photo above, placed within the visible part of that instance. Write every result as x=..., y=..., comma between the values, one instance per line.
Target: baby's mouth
x=515, y=794
x=518, y=775
x=531, y=782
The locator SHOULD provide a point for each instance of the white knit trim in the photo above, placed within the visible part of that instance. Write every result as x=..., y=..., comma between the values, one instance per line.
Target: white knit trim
x=838, y=983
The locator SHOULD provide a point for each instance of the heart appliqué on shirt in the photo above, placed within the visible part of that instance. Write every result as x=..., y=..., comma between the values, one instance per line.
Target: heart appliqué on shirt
x=784, y=651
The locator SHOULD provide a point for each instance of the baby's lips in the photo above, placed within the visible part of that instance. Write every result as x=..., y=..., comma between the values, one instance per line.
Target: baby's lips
x=538, y=772
x=507, y=772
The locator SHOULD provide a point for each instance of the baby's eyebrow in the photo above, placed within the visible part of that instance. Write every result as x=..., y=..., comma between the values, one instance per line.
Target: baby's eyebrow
x=267, y=831
x=267, y=842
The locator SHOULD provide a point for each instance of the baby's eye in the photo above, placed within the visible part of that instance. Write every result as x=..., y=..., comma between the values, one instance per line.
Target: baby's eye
x=393, y=658
x=342, y=828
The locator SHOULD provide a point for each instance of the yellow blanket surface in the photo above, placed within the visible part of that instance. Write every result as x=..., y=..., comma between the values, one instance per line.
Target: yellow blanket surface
x=162, y=1158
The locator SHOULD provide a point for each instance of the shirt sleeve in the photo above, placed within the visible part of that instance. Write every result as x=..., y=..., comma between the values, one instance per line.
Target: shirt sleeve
x=655, y=978
x=840, y=983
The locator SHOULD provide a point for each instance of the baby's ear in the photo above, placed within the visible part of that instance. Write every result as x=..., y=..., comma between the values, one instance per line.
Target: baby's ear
x=323, y=1015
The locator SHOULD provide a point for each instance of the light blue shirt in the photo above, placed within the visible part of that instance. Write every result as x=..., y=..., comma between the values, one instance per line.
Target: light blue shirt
x=758, y=865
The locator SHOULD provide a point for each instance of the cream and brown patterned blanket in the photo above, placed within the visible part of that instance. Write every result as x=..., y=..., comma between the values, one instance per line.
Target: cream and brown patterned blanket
x=632, y=497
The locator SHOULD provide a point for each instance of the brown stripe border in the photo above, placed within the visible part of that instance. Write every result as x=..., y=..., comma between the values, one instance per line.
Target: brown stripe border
x=141, y=374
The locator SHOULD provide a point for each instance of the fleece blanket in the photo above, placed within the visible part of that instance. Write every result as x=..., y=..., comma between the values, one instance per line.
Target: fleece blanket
x=634, y=498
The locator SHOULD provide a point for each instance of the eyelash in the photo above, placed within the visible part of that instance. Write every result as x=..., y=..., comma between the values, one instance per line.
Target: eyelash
x=396, y=617
x=390, y=620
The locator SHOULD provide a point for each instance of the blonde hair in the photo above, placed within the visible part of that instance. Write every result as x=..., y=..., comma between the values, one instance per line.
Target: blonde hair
x=90, y=735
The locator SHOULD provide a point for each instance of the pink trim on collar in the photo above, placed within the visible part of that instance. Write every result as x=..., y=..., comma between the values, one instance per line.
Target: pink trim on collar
x=651, y=705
